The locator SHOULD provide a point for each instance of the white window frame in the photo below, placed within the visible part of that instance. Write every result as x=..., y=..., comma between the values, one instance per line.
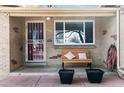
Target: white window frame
x=55, y=43
x=26, y=38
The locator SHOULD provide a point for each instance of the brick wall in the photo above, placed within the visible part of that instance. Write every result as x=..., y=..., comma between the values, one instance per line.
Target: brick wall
x=17, y=27
x=52, y=52
x=4, y=44
x=107, y=37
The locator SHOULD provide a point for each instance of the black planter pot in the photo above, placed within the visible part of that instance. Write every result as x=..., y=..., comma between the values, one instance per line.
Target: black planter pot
x=66, y=76
x=94, y=75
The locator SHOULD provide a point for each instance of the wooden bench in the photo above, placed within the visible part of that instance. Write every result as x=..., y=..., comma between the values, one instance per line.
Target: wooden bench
x=76, y=59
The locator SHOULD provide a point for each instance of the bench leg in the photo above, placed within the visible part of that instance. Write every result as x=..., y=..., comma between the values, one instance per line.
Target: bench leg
x=89, y=65
x=62, y=65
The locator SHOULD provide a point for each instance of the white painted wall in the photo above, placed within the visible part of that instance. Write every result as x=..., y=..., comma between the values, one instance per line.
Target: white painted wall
x=122, y=37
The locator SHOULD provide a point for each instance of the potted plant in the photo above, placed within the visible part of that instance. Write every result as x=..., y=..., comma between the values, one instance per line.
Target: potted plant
x=66, y=75
x=94, y=75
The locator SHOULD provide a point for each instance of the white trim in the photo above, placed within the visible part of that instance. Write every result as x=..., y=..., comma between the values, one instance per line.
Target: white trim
x=83, y=29
x=63, y=33
x=44, y=35
x=61, y=12
x=26, y=53
x=94, y=35
x=76, y=44
x=118, y=37
x=90, y=20
x=54, y=33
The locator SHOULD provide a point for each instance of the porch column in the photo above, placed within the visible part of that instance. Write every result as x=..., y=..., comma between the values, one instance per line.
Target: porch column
x=122, y=37
x=121, y=44
x=4, y=44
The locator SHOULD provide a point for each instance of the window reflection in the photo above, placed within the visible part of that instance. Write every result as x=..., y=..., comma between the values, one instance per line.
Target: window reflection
x=59, y=32
x=74, y=32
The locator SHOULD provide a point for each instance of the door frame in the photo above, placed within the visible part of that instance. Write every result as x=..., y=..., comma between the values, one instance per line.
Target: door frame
x=26, y=32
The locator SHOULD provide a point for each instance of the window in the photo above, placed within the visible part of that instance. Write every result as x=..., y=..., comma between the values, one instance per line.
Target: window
x=74, y=32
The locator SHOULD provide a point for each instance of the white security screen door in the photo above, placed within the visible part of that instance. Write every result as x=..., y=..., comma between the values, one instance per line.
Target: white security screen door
x=35, y=42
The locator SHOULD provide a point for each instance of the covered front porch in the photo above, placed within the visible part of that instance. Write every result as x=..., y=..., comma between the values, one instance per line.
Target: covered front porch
x=104, y=34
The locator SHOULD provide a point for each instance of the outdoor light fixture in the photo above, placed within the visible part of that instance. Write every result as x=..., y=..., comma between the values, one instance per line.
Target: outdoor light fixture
x=48, y=18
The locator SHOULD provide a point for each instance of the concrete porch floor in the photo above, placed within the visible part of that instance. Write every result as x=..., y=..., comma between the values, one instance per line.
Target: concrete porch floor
x=53, y=69
x=47, y=76
x=52, y=80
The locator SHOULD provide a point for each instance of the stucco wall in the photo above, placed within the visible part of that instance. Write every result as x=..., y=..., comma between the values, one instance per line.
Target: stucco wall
x=4, y=44
x=16, y=42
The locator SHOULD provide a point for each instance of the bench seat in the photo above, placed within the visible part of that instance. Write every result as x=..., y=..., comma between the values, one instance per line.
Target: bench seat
x=78, y=61
x=75, y=52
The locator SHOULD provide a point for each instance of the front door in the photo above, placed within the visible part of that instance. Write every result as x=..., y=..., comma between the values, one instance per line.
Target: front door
x=35, y=42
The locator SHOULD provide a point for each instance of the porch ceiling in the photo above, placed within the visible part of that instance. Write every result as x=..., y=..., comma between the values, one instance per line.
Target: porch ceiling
x=54, y=12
